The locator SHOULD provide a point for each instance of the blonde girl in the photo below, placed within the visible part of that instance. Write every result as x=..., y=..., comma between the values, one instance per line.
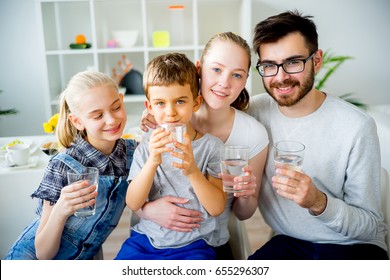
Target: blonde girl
x=91, y=122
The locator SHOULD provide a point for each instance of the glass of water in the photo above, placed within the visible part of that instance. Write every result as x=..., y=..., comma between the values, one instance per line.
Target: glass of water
x=289, y=154
x=233, y=159
x=90, y=174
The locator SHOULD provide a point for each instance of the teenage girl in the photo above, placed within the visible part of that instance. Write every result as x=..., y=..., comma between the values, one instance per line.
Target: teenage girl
x=224, y=69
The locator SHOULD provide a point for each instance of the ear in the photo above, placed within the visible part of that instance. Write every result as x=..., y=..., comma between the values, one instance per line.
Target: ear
x=148, y=107
x=76, y=122
x=197, y=102
x=198, y=67
x=318, y=61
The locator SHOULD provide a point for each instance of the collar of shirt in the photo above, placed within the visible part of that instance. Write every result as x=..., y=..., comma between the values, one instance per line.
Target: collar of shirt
x=112, y=165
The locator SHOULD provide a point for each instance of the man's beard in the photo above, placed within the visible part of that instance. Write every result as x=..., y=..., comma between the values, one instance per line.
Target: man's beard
x=288, y=101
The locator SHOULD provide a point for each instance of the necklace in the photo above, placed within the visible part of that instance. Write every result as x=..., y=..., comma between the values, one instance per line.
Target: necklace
x=196, y=134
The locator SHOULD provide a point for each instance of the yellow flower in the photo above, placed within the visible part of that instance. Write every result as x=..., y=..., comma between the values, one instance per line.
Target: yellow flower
x=54, y=120
x=50, y=126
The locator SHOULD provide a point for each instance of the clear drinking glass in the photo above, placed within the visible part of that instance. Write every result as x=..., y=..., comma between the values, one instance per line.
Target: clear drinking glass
x=289, y=154
x=177, y=131
x=90, y=174
x=233, y=159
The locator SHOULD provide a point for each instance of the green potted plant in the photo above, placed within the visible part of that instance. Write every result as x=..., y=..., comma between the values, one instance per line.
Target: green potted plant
x=330, y=64
x=7, y=111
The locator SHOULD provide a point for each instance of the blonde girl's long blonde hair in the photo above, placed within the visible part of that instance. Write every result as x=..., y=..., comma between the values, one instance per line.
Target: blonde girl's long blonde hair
x=71, y=98
x=242, y=101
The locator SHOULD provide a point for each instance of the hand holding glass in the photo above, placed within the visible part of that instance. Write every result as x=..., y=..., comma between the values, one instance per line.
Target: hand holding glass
x=90, y=174
x=177, y=131
x=233, y=160
x=289, y=154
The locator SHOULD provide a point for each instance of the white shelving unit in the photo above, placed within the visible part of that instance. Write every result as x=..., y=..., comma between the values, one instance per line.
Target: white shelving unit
x=62, y=20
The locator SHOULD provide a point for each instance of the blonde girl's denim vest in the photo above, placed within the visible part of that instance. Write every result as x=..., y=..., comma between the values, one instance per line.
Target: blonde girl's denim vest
x=82, y=237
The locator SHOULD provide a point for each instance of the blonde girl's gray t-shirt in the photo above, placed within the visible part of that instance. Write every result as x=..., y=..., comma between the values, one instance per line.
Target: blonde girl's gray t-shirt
x=170, y=181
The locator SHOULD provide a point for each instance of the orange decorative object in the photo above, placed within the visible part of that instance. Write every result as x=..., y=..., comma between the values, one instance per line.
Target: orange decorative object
x=176, y=7
x=80, y=39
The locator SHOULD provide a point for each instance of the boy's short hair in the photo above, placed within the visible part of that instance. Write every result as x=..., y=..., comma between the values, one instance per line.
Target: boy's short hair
x=170, y=69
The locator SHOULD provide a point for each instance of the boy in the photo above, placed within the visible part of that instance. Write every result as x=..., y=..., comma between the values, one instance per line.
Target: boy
x=191, y=170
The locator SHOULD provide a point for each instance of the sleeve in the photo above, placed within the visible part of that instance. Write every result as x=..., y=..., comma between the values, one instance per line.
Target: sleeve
x=53, y=181
x=358, y=215
x=257, y=138
x=250, y=132
x=138, y=160
x=213, y=165
x=131, y=145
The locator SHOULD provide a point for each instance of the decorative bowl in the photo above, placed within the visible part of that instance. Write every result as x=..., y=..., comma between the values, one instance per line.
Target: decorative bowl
x=125, y=38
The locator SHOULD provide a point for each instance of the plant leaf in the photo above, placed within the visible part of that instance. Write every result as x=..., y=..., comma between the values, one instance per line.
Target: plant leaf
x=8, y=112
x=331, y=63
x=348, y=97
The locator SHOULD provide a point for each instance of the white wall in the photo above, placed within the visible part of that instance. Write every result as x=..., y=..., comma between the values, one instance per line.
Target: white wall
x=358, y=28
x=21, y=69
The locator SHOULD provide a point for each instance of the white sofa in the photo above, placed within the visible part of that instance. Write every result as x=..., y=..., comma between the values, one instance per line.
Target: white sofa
x=381, y=115
x=17, y=208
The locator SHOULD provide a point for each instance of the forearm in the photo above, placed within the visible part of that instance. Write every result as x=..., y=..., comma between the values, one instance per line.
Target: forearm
x=209, y=192
x=140, y=213
x=139, y=188
x=48, y=238
x=244, y=207
x=355, y=212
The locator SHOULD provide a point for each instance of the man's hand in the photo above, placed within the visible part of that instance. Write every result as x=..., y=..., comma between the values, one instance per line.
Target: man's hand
x=299, y=188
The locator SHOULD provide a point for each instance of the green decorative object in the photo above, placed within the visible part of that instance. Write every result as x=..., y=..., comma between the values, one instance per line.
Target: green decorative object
x=330, y=63
x=12, y=111
x=80, y=46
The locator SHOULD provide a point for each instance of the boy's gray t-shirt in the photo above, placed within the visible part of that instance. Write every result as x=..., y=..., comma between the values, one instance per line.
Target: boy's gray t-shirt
x=170, y=181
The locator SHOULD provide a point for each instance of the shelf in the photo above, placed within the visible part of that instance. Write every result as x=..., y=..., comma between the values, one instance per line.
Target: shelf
x=70, y=52
x=126, y=99
x=120, y=50
x=190, y=28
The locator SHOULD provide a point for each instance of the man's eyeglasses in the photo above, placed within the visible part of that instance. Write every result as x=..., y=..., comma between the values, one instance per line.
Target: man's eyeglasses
x=292, y=66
